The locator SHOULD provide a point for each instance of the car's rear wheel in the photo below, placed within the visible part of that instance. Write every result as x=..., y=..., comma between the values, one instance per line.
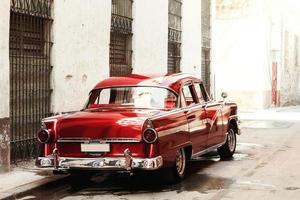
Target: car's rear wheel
x=177, y=172
x=180, y=164
x=227, y=150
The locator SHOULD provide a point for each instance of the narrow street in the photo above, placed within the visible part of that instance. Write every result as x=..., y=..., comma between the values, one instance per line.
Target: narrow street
x=265, y=166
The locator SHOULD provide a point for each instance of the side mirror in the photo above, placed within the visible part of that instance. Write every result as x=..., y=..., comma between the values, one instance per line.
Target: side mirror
x=224, y=95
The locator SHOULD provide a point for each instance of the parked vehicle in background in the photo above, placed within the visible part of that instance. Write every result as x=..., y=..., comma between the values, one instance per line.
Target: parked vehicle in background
x=140, y=123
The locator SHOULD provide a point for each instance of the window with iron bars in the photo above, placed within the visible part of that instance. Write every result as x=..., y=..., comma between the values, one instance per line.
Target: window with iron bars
x=174, y=36
x=30, y=72
x=120, y=55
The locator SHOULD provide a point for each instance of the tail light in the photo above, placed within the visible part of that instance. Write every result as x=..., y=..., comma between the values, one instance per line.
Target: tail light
x=150, y=138
x=44, y=136
x=150, y=135
x=47, y=132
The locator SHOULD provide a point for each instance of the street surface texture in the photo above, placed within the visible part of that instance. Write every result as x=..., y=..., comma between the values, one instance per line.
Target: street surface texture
x=265, y=166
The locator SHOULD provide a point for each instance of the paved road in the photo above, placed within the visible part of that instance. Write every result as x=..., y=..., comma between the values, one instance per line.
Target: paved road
x=266, y=166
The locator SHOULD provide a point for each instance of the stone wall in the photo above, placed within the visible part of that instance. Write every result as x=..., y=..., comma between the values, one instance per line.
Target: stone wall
x=290, y=74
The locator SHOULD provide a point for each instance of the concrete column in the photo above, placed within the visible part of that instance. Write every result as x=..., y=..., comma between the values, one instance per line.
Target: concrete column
x=81, y=33
x=150, y=36
x=4, y=86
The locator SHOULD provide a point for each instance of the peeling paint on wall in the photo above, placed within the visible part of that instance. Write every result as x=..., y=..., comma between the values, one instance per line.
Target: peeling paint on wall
x=4, y=145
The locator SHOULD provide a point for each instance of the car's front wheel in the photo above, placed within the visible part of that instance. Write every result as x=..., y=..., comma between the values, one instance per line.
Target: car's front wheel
x=227, y=150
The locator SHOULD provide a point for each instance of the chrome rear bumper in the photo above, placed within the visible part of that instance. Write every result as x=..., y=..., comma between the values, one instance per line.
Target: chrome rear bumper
x=104, y=163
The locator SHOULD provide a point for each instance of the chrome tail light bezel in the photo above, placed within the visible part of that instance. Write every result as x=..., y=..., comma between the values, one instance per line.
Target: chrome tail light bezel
x=155, y=138
x=48, y=136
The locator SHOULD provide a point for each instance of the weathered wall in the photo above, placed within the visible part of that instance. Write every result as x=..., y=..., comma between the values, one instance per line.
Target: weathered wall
x=80, y=57
x=248, y=39
x=4, y=85
x=290, y=81
x=191, y=37
x=150, y=36
x=241, y=53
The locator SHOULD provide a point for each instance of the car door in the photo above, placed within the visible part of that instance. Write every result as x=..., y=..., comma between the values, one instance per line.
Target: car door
x=195, y=115
x=213, y=114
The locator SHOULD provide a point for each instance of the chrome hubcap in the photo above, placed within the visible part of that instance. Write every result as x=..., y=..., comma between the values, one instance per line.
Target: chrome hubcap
x=231, y=140
x=180, y=161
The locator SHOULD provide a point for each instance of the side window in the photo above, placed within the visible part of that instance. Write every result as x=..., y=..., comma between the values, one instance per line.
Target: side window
x=204, y=93
x=189, y=95
x=199, y=93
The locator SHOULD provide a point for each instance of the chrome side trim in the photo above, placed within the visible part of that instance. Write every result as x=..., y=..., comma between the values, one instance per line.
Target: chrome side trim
x=178, y=110
x=171, y=131
x=200, y=153
x=105, y=140
x=171, y=112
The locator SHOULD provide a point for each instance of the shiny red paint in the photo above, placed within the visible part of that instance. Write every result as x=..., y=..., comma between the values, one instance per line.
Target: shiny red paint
x=196, y=127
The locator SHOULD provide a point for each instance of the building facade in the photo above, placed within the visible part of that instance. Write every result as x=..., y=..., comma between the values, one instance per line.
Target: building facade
x=53, y=52
x=255, y=52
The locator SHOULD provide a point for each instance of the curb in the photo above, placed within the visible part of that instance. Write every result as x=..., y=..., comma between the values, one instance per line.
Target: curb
x=22, y=190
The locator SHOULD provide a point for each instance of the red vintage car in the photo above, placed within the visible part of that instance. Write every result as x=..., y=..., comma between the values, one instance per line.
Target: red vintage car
x=140, y=123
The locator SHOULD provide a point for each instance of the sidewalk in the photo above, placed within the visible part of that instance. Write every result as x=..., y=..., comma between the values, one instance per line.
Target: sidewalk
x=24, y=179
x=291, y=113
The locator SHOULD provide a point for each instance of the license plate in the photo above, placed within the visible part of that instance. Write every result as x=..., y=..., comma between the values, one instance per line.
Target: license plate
x=95, y=148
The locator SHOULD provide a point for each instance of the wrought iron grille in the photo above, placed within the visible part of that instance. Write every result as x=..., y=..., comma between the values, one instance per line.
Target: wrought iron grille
x=206, y=42
x=121, y=38
x=174, y=57
x=121, y=24
x=30, y=68
x=174, y=36
x=40, y=8
x=121, y=20
x=120, y=54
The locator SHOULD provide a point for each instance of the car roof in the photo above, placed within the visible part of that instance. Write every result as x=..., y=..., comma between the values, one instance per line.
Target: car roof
x=170, y=81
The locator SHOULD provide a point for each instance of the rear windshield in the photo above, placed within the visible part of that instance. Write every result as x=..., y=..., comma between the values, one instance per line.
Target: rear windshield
x=137, y=97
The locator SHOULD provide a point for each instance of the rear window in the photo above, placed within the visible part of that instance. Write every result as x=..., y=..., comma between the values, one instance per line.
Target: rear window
x=138, y=97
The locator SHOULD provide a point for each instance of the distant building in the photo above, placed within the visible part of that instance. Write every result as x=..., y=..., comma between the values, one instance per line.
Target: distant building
x=53, y=52
x=256, y=52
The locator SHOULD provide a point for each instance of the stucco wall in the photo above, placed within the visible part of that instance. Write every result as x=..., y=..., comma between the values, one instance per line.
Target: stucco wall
x=4, y=85
x=80, y=55
x=4, y=58
x=191, y=37
x=150, y=36
x=241, y=54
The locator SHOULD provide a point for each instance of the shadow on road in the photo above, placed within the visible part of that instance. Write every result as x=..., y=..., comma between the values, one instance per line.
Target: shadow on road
x=141, y=182
x=148, y=182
